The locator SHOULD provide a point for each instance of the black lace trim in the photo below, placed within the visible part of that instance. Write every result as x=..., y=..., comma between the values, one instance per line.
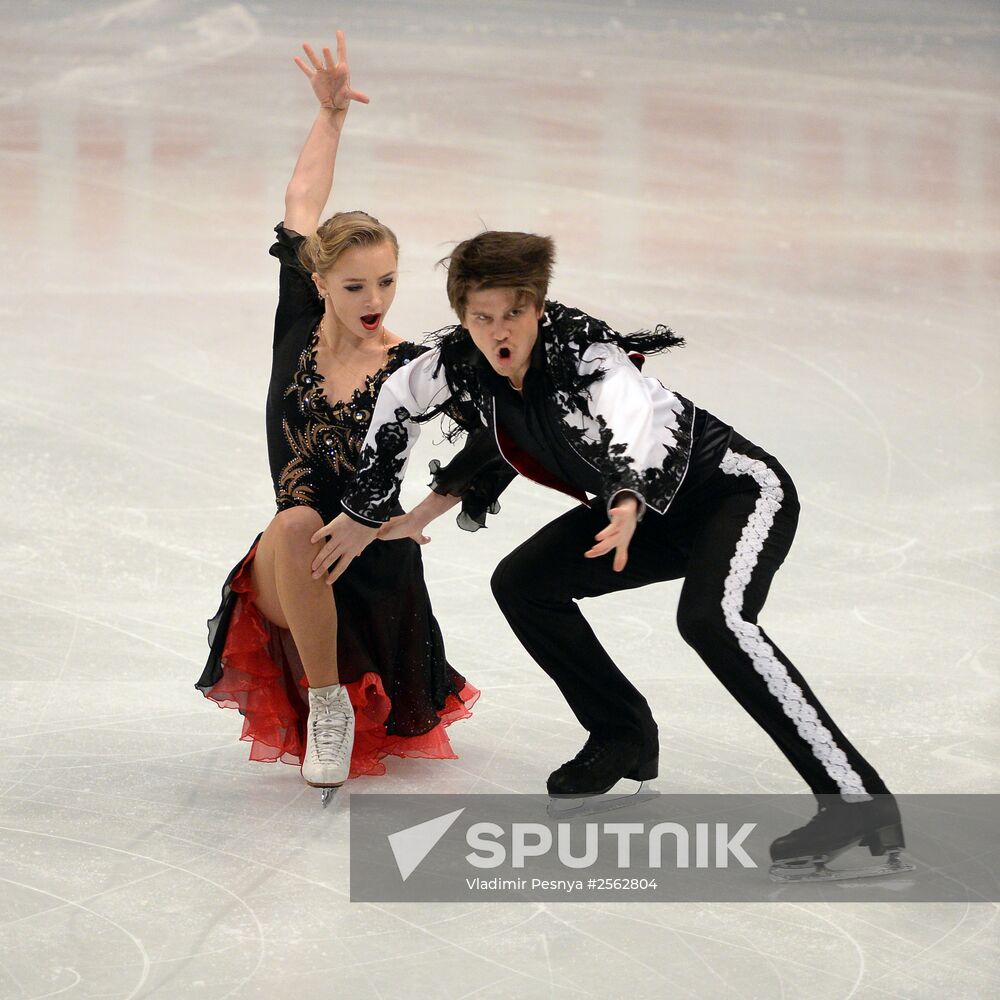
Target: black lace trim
x=478, y=474
x=656, y=485
x=476, y=503
x=380, y=468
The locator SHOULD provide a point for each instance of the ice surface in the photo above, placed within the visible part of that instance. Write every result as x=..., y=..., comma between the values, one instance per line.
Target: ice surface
x=807, y=192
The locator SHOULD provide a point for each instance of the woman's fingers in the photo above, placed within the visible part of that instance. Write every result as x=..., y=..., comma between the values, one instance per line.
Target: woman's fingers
x=307, y=48
x=331, y=66
x=621, y=558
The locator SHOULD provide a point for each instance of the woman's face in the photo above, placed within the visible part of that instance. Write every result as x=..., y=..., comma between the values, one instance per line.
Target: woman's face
x=361, y=286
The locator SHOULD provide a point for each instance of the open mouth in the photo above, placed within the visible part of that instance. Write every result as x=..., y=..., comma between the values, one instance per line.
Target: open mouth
x=504, y=354
x=371, y=321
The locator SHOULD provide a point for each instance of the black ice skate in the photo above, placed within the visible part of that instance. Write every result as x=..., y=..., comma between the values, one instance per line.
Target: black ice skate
x=578, y=787
x=803, y=854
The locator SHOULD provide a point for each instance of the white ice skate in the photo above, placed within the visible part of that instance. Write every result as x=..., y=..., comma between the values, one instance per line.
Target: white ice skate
x=329, y=739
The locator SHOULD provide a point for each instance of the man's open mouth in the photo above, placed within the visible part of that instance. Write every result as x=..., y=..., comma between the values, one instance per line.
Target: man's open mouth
x=371, y=321
x=504, y=353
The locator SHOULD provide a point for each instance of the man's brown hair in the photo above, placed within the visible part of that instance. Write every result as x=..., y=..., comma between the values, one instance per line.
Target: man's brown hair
x=492, y=259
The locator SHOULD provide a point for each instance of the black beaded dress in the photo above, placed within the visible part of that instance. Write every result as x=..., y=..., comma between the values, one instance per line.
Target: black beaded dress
x=390, y=653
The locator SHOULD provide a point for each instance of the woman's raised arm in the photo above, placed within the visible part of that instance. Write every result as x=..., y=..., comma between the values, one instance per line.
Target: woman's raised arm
x=309, y=189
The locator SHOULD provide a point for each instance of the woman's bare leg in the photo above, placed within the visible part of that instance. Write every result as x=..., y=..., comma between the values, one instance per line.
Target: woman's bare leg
x=289, y=597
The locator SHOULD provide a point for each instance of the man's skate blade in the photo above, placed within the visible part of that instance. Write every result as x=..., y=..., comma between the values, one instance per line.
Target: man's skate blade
x=568, y=806
x=809, y=872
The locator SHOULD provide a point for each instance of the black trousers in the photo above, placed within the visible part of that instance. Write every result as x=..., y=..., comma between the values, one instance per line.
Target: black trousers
x=726, y=537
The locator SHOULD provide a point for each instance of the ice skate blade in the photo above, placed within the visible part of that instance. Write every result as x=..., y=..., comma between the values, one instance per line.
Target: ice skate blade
x=568, y=806
x=815, y=870
x=326, y=792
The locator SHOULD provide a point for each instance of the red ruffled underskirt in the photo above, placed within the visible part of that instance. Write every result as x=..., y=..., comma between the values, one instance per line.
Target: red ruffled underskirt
x=263, y=678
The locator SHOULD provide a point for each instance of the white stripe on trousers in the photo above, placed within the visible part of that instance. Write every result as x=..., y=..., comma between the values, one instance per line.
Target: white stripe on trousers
x=790, y=696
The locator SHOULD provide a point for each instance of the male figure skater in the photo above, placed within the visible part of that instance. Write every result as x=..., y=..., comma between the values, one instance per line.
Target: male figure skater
x=669, y=491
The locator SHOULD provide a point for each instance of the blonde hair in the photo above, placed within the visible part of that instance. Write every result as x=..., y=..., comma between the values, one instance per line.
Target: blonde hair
x=340, y=233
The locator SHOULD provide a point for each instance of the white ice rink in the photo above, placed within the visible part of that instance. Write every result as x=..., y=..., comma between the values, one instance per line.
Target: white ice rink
x=806, y=190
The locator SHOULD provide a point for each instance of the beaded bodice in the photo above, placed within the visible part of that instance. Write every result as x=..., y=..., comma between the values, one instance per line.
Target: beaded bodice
x=322, y=440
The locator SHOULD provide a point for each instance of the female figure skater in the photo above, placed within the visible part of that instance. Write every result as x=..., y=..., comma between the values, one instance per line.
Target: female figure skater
x=668, y=491
x=331, y=682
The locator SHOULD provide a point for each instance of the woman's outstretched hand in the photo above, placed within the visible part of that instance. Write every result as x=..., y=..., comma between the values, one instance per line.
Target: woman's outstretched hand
x=331, y=81
x=617, y=534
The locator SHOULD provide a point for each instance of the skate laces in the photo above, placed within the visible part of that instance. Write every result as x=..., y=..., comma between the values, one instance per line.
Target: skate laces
x=593, y=750
x=331, y=724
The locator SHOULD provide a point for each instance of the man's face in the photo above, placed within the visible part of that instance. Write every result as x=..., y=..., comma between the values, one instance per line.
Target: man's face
x=504, y=326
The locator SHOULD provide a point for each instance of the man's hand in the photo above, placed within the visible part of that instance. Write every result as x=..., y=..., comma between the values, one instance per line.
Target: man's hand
x=618, y=533
x=412, y=524
x=345, y=540
x=404, y=526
